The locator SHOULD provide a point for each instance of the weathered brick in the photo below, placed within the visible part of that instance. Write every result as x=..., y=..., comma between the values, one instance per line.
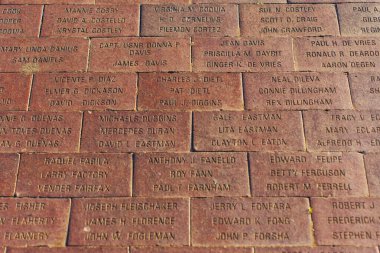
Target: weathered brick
x=191, y=174
x=189, y=250
x=14, y=91
x=33, y=222
x=140, y=54
x=240, y=1
x=8, y=174
x=184, y=20
x=365, y=90
x=318, y=249
x=75, y=175
x=307, y=174
x=43, y=54
x=250, y=222
x=91, y=20
x=346, y=221
x=39, y=131
x=20, y=21
x=122, y=131
x=288, y=20
x=70, y=250
x=372, y=164
x=242, y=54
x=337, y=54
x=141, y=1
x=47, y=1
x=247, y=131
x=342, y=130
x=83, y=91
x=331, y=1
x=296, y=91
x=132, y=221
x=190, y=91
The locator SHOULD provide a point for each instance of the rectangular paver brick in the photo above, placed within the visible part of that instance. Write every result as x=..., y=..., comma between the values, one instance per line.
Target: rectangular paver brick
x=342, y=130
x=47, y=1
x=248, y=131
x=318, y=249
x=131, y=221
x=250, y=222
x=307, y=174
x=191, y=174
x=365, y=90
x=254, y=54
x=141, y=1
x=140, y=54
x=189, y=250
x=288, y=20
x=331, y=1
x=190, y=91
x=346, y=221
x=372, y=164
x=43, y=54
x=8, y=173
x=296, y=91
x=122, y=131
x=75, y=175
x=70, y=250
x=33, y=222
x=90, y=20
x=83, y=91
x=240, y=1
x=14, y=91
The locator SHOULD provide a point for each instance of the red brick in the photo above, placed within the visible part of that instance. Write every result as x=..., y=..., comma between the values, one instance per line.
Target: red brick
x=242, y=54
x=91, y=20
x=344, y=130
x=47, y=1
x=318, y=249
x=70, y=250
x=75, y=175
x=365, y=90
x=185, y=20
x=20, y=21
x=191, y=174
x=247, y=131
x=189, y=250
x=372, y=164
x=240, y=1
x=83, y=91
x=296, y=91
x=8, y=173
x=14, y=91
x=140, y=54
x=141, y=1
x=122, y=131
x=288, y=20
x=190, y=91
x=337, y=54
x=255, y=222
x=39, y=132
x=346, y=221
x=132, y=221
x=34, y=222
x=16, y=55
x=308, y=174
x=331, y=1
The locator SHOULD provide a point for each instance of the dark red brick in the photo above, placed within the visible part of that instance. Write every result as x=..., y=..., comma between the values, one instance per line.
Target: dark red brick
x=14, y=91
x=318, y=249
x=365, y=90
x=8, y=173
x=372, y=164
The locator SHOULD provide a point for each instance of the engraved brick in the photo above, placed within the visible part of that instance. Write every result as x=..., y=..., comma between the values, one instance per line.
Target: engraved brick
x=142, y=1
x=8, y=173
x=240, y=1
x=20, y=21
x=75, y=175
x=70, y=250
x=191, y=174
x=331, y=1
x=296, y=91
x=139, y=54
x=250, y=222
x=346, y=221
x=185, y=20
x=189, y=250
x=83, y=91
x=47, y=54
x=365, y=90
x=242, y=54
x=131, y=221
x=122, y=131
x=247, y=131
x=308, y=174
x=337, y=54
x=372, y=164
x=343, y=130
x=190, y=91
x=33, y=222
x=14, y=91
x=39, y=132
x=91, y=20
x=288, y=20
x=318, y=249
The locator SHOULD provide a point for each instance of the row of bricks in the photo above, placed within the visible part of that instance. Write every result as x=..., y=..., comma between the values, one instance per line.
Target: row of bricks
x=223, y=54
x=215, y=222
x=127, y=131
x=186, y=20
x=186, y=91
x=202, y=174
